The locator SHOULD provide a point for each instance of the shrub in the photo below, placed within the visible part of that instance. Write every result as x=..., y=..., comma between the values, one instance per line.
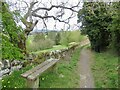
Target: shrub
x=70, y=36
x=95, y=18
x=115, y=28
x=39, y=44
x=10, y=32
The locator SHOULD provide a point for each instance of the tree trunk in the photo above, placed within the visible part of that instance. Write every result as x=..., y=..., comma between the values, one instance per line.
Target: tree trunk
x=22, y=45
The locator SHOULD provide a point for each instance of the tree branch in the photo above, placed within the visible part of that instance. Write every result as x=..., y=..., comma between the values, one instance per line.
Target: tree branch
x=29, y=10
x=55, y=6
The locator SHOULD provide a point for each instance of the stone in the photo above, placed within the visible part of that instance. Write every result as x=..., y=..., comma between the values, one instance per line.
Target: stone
x=6, y=64
x=16, y=67
x=1, y=65
x=15, y=63
x=5, y=71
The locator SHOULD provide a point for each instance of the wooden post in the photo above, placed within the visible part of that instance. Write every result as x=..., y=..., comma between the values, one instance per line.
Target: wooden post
x=54, y=67
x=33, y=83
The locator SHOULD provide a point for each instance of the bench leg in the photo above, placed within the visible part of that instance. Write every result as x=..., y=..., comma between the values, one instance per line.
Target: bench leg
x=33, y=84
x=54, y=68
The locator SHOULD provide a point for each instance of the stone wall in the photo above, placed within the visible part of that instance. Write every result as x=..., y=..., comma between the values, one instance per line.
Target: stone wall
x=7, y=67
x=58, y=54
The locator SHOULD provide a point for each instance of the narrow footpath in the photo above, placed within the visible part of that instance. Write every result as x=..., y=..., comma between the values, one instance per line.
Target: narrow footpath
x=84, y=64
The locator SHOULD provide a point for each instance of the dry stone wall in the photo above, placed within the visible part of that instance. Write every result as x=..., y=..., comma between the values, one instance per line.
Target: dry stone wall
x=7, y=67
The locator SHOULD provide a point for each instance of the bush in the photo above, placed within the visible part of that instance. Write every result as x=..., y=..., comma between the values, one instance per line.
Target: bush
x=39, y=43
x=96, y=18
x=10, y=32
x=70, y=36
x=115, y=28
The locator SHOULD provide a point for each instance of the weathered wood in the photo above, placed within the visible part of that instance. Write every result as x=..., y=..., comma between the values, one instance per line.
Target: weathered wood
x=54, y=68
x=33, y=69
x=41, y=70
x=33, y=84
x=32, y=75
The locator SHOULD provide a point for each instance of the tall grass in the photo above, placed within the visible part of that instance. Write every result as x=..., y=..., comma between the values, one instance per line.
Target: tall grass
x=105, y=70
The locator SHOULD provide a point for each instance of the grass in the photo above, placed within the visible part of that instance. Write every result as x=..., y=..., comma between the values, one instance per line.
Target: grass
x=105, y=70
x=15, y=80
x=66, y=76
x=56, y=47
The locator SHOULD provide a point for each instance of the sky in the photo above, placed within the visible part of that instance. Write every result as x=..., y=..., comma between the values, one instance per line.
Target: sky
x=50, y=23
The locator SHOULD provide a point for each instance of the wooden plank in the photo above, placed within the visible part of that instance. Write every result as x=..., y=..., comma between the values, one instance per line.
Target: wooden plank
x=34, y=69
x=41, y=70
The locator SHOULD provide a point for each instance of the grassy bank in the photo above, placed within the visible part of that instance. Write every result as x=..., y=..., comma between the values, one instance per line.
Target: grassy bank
x=105, y=70
x=66, y=76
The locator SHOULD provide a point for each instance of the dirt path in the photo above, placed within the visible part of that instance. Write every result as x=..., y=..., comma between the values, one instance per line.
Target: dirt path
x=86, y=79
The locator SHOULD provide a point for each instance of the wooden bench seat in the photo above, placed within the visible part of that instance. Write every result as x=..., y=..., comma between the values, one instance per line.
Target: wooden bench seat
x=32, y=75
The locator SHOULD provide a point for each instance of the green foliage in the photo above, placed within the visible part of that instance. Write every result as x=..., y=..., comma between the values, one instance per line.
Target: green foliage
x=95, y=19
x=9, y=51
x=101, y=22
x=9, y=35
x=67, y=37
x=39, y=42
x=38, y=36
x=70, y=36
x=115, y=27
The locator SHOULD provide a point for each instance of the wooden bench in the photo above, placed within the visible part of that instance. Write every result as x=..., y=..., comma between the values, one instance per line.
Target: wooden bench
x=32, y=76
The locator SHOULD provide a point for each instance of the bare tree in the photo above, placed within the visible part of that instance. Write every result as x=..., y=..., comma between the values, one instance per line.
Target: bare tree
x=39, y=11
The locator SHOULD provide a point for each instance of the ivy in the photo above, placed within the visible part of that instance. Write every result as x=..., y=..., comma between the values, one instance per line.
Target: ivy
x=9, y=35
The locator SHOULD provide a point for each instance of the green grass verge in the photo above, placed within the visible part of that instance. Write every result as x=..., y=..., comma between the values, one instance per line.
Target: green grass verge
x=66, y=76
x=105, y=70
